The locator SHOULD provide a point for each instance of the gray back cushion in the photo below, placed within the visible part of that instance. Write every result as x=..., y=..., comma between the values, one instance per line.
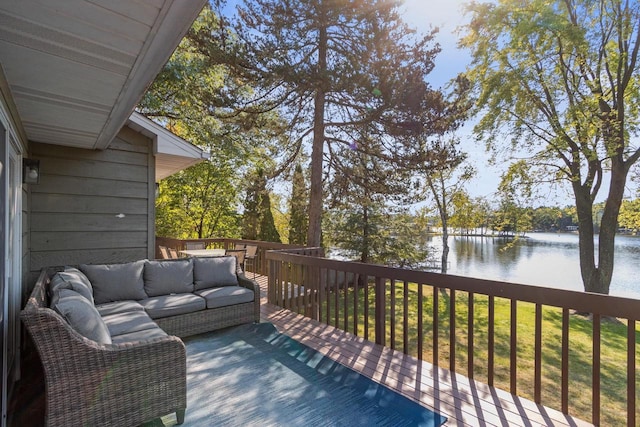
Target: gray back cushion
x=216, y=271
x=168, y=277
x=116, y=282
x=82, y=315
x=71, y=278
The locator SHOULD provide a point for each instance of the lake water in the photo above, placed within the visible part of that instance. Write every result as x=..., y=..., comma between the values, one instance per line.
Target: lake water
x=544, y=259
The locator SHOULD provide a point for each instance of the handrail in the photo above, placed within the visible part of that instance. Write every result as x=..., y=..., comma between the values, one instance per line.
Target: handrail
x=374, y=301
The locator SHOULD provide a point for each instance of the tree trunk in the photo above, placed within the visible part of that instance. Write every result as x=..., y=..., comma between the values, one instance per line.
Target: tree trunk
x=364, y=256
x=316, y=192
x=608, y=227
x=597, y=277
x=584, y=210
x=445, y=248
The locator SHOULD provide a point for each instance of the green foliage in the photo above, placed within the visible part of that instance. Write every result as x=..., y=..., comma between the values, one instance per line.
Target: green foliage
x=630, y=215
x=377, y=236
x=198, y=203
x=257, y=219
x=191, y=97
x=267, y=229
x=561, y=80
x=552, y=218
x=298, y=211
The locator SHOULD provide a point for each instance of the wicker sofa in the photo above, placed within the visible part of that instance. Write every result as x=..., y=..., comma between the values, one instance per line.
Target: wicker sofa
x=109, y=335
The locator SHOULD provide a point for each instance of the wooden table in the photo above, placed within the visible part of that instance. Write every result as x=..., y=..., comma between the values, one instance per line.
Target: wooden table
x=203, y=252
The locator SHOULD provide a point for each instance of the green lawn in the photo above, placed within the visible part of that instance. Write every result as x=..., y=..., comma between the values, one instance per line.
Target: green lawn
x=613, y=347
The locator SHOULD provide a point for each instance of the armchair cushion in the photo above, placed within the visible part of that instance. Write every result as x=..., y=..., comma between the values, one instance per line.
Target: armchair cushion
x=147, y=334
x=132, y=321
x=82, y=315
x=214, y=271
x=173, y=305
x=226, y=295
x=168, y=277
x=118, y=307
x=116, y=282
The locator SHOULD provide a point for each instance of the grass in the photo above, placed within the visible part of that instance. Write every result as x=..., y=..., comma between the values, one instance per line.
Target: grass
x=613, y=344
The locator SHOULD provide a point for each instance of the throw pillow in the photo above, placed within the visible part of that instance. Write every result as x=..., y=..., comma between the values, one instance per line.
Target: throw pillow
x=215, y=271
x=116, y=282
x=82, y=315
x=168, y=277
x=71, y=278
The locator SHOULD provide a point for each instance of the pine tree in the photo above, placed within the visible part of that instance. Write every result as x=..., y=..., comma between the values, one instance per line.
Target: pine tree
x=257, y=220
x=332, y=67
x=251, y=215
x=268, y=231
x=298, y=212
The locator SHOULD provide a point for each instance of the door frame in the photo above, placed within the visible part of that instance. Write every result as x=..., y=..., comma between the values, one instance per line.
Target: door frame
x=11, y=151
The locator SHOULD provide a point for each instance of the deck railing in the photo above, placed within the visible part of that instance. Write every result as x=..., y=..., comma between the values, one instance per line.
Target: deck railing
x=529, y=340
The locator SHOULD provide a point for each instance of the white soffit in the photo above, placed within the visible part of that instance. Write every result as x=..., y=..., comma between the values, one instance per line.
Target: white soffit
x=77, y=68
x=172, y=153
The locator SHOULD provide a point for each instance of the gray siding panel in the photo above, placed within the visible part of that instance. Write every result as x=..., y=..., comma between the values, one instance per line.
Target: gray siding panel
x=68, y=240
x=64, y=203
x=75, y=211
x=90, y=187
x=92, y=169
x=88, y=222
x=40, y=260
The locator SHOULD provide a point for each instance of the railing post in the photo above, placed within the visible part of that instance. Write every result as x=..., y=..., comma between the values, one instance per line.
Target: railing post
x=380, y=311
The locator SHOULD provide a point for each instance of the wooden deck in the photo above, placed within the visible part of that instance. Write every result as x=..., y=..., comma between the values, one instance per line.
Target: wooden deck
x=463, y=401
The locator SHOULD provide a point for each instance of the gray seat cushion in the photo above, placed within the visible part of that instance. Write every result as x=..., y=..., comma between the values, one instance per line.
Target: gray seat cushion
x=168, y=277
x=71, y=278
x=116, y=282
x=173, y=305
x=82, y=315
x=118, y=307
x=214, y=271
x=132, y=321
x=226, y=295
x=143, y=335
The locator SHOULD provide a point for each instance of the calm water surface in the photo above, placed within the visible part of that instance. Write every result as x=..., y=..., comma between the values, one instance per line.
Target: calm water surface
x=545, y=259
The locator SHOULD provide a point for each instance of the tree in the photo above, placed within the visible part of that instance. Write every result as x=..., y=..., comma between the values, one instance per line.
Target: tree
x=198, y=203
x=630, y=215
x=330, y=67
x=257, y=219
x=190, y=97
x=513, y=217
x=251, y=214
x=364, y=196
x=298, y=211
x=561, y=77
x=444, y=179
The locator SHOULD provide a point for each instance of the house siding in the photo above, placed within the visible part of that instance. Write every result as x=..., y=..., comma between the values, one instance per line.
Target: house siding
x=93, y=206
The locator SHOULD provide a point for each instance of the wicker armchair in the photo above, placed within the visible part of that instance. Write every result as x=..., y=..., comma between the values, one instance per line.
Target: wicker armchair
x=104, y=385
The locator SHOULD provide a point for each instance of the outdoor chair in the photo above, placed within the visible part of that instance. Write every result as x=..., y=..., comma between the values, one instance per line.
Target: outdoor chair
x=251, y=255
x=164, y=252
x=239, y=254
x=194, y=245
x=173, y=253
